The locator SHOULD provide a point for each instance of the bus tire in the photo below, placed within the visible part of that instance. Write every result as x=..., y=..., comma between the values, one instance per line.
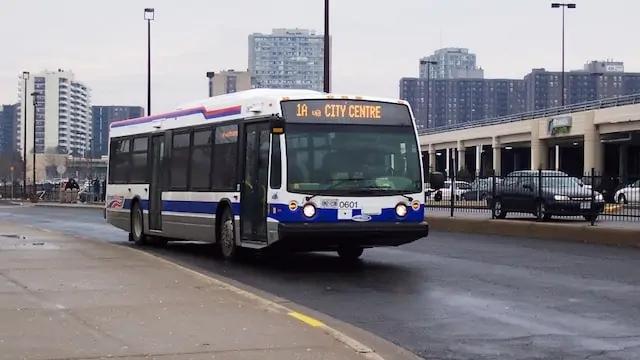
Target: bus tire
x=136, y=233
x=350, y=253
x=227, y=236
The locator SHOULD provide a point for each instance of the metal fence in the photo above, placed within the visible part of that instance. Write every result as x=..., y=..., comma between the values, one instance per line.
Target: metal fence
x=543, y=194
x=49, y=193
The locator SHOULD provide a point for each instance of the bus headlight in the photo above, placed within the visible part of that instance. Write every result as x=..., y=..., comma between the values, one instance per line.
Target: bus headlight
x=293, y=205
x=309, y=210
x=415, y=205
x=401, y=210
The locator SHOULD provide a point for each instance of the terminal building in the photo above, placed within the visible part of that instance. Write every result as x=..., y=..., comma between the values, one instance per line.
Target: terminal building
x=602, y=135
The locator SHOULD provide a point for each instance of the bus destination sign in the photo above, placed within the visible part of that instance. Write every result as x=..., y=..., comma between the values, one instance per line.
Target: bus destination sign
x=335, y=111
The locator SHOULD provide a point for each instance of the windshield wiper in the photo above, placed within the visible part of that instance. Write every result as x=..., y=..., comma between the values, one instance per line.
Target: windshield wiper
x=333, y=186
x=376, y=189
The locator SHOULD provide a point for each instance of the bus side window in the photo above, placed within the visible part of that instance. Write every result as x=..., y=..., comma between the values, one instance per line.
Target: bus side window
x=120, y=161
x=226, y=158
x=276, y=162
x=180, y=160
x=200, y=178
x=138, y=172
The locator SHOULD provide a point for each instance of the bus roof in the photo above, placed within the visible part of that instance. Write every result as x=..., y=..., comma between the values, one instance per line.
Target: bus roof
x=238, y=105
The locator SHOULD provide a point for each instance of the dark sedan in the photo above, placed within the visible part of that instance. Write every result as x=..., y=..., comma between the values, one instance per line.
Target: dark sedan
x=551, y=193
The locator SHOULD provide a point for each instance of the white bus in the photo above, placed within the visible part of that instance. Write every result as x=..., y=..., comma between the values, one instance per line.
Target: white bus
x=298, y=169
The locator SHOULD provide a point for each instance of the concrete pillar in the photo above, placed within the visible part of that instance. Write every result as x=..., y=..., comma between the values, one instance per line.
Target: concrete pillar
x=497, y=156
x=592, y=147
x=432, y=158
x=461, y=157
x=622, y=162
x=478, y=159
x=557, y=157
x=539, y=149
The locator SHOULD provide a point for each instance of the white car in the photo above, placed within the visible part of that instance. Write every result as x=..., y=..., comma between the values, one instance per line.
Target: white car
x=459, y=188
x=629, y=194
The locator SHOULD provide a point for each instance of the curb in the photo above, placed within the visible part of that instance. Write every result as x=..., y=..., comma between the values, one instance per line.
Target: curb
x=547, y=231
x=70, y=206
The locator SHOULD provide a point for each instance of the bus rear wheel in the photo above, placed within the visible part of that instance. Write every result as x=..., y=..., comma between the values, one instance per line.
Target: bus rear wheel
x=350, y=253
x=226, y=236
x=136, y=233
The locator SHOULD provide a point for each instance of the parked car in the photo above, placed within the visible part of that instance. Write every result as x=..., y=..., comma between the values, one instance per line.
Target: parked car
x=558, y=194
x=629, y=194
x=581, y=183
x=459, y=188
x=480, y=189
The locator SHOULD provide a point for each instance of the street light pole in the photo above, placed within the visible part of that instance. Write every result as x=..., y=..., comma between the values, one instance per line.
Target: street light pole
x=327, y=52
x=428, y=63
x=149, y=15
x=25, y=77
x=563, y=6
x=35, y=107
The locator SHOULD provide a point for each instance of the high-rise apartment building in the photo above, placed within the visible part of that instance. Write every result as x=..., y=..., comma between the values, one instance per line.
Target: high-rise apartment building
x=102, y=117
x=454, y=98
x=451, y=63
x=62, y=114
x=8, y=128
x=456, y=101
x=287, y=59
x=544, y=88
x=228, y=81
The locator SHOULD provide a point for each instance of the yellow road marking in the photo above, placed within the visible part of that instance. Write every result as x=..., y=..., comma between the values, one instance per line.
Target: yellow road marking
x=306, y=319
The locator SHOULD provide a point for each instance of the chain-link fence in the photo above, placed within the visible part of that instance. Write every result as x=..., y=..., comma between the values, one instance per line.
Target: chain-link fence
x=544, y=194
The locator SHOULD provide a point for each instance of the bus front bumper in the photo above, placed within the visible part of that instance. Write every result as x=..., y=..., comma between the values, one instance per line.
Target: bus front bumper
x=330, y=236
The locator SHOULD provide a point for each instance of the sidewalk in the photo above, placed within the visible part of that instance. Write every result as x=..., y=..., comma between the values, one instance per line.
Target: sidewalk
x=605, y=232
x=65, y=297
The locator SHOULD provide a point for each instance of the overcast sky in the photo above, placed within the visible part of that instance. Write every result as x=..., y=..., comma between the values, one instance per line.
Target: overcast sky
x=375, y=42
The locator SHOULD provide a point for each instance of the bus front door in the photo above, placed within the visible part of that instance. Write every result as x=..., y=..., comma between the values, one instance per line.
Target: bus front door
x=155, y=189
x=253, y=210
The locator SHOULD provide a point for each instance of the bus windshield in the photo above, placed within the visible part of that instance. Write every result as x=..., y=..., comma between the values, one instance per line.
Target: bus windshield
x=352, y=159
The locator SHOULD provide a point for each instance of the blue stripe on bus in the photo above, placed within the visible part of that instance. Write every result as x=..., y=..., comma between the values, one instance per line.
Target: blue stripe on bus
x=283, y=214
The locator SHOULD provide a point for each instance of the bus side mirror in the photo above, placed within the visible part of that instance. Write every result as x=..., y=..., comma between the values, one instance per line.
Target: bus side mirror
x=277, y=126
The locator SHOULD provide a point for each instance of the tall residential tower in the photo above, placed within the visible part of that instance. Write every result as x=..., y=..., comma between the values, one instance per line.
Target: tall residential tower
x=287, y=59
x=62, y=114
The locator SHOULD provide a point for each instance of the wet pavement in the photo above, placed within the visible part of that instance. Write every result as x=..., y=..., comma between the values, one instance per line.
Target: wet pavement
x=453, y=296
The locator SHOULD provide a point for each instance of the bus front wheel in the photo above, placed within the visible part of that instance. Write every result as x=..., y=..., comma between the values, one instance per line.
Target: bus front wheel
x=226, y=236
x=350, y=253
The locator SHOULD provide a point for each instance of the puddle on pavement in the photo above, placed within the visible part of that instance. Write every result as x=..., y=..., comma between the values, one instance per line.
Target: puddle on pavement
x=20, y=242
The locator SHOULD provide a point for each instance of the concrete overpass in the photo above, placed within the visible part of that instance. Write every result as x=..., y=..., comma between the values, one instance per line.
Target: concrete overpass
x=603, y=135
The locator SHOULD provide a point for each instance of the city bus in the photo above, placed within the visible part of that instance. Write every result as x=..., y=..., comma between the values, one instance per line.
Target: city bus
x=266, y=168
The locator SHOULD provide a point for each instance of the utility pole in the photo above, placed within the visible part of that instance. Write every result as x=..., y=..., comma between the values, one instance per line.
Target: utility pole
x=149, y=15
x=428, y=63
x=327, y=52
x=563, y=6
x=25, y=77
x=35, y=110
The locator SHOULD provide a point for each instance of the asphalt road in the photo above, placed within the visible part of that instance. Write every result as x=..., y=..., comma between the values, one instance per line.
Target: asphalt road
x=450, y=296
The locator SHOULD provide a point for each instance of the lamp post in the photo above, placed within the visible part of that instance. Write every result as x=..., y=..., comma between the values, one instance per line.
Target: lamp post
x=563, y=6
x=25, y=77
x=149, y=15
x=327, y=52
x=34, y=94
x=428, y=63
